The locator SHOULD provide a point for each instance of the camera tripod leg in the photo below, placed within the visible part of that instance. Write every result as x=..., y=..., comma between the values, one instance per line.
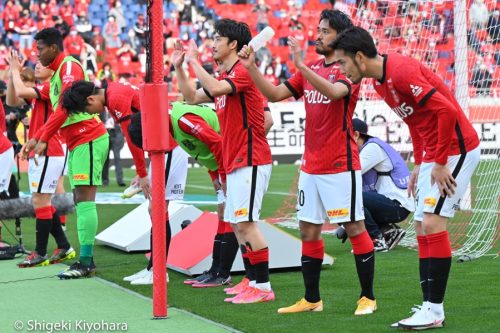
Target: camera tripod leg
x=19, y=236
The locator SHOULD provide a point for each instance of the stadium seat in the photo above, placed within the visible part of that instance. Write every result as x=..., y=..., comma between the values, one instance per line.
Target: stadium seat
x=96, y=22
x=136, y=8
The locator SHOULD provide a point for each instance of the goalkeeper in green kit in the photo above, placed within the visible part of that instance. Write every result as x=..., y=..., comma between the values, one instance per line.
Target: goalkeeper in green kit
x=87, y=141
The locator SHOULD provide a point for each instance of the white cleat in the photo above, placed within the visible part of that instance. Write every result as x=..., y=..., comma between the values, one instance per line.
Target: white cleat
x=145, y=279
x=414, y=309
x=423, y=319
x=136, y=276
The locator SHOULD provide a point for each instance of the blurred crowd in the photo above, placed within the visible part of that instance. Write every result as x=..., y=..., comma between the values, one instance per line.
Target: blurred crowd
x=109, y=37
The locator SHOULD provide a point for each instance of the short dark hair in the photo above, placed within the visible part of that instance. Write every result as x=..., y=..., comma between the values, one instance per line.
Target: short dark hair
x=233, y=30
x=50, y=36
x=135, y=129
x=337, y=19
x=75, y=97
x=354, y=40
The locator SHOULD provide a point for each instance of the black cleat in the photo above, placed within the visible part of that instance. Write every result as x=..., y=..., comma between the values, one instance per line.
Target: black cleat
x=78, y=270
x=214, y=281
x=204, y=276
x=393, y=237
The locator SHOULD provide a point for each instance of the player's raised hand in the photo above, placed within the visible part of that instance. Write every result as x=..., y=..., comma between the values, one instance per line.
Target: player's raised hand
x=412, y=183
x=247, y=56
x=192, y=51
x=442, y=176
x=14, y=61
x=178, y=54
x=296, y=51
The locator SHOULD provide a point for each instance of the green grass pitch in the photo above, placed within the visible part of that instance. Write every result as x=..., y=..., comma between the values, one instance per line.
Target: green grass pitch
x=471, y=301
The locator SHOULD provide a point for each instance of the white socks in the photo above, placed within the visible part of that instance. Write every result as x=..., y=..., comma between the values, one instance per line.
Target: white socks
x=266, y=286
x=436, y=308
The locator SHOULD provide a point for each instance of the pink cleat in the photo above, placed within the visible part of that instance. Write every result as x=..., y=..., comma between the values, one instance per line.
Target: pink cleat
x=254, y=295
x=238, y=288
x=244, y=291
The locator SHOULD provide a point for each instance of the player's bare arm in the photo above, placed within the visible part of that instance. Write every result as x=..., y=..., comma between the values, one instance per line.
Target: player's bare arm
x=412, y=183
x=333, y=91
x=191, y=95
x=213, y=86
x=273, y=93
x=16, y=90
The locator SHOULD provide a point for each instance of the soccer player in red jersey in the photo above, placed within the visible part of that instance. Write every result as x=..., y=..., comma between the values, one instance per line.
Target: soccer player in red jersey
x=122, y=101
x=446, y=151
x=246, y=153
x=330, y=183
x=196, y=129
x=6, y=155
x=45, y=172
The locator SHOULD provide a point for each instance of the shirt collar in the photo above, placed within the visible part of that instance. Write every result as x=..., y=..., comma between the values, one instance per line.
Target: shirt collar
x=57, y=62
x=232, y=67
x=384, y=68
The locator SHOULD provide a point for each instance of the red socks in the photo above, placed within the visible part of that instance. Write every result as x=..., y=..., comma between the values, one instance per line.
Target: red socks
x=313, y=249
x=361, y=243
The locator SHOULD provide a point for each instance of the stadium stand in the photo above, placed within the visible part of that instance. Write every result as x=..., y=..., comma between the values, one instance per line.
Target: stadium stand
x=395, y=27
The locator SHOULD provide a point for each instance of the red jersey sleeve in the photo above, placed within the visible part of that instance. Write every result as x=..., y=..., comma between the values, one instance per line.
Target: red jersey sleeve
x=447, y=115
x=343, y=79
x=121, y=103
x=43, y=91
x=296, y=85
x=53, y=124
x=198, y=128
x=418, y=146
x=413, y=84
x=4, y=142
x=69, y=73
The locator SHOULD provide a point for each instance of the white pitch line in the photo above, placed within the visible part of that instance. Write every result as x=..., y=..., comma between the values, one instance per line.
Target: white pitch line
x=286, y=194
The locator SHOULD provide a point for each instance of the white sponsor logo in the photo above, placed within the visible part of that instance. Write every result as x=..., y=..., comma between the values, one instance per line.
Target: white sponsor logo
x=220, y=102
x=366, y=259
x=315, y=97
x=403, y=110
x=416, y=90
x=68, y=79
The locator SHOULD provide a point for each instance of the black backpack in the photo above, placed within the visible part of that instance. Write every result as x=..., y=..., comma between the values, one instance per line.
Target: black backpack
x=7, y=252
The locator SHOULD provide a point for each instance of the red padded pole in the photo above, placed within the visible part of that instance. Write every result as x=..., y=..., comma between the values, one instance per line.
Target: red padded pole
x=154, y=107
